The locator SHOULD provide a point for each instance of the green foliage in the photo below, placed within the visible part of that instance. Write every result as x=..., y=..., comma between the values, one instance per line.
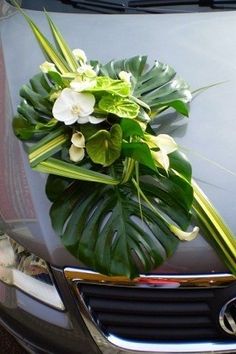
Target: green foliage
x=105, y=147
x=119, y=224
x=47, y=146
x=100, y=221
x=216, y=230
x=180, y=164
x=62, y=45
x=131, y=128
x=122, y=107
x=139, y=152
x=48, y=49
x=159, y=87
x=117, y=87
x=34, y=118
x=56, y=78
x=102, y=226
x=88, y=130
x=106, y=218
x=61, y=168
x=173, y=196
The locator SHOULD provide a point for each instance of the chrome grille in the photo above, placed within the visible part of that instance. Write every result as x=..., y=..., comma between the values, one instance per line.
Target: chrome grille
x=150, y=313
x=154, y=314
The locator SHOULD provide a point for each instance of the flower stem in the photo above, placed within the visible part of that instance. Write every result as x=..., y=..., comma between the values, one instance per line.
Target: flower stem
x=129, y=165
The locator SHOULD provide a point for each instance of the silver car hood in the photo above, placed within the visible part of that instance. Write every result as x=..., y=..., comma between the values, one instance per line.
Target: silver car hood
x=201, y=47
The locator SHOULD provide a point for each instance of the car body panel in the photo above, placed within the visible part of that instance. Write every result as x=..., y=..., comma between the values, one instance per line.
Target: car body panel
x=42, y=329
x=199, y=46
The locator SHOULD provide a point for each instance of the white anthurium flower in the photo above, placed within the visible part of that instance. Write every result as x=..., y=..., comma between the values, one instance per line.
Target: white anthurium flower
x=161, y=158
x=183, y=235
x=47, y=66
x=163, y=141
x=79, y=84
x=71, y=107
x=78, y=140
x=166, y=144
x=79, y=55
x=125, y=76
x=76, y=153
x=87, y=70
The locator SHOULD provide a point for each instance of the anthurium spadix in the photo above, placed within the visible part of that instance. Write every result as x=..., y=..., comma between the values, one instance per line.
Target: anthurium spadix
x=183, y=235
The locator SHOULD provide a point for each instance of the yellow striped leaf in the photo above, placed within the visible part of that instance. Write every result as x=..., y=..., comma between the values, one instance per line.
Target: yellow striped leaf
x=65, y=49
x=46, y=46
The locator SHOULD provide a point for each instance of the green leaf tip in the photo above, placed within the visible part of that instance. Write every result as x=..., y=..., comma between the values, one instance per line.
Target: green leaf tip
x=62, y=44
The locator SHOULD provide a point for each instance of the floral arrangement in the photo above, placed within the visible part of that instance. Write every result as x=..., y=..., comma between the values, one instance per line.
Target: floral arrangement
x=122, y=195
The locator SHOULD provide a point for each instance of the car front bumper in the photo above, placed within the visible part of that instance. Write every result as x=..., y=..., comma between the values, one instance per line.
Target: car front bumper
x=42, y=329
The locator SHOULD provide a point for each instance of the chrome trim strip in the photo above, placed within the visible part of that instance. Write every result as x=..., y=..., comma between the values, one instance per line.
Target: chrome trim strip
x=193, y=347
x=112, y=344
x=152, y=280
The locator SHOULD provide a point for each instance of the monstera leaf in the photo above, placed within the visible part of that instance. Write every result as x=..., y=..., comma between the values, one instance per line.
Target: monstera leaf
x=159, y=87
x=106, y=228
x=34, y=116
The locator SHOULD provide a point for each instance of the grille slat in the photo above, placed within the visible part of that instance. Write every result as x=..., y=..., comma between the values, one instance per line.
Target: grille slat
x=153, y=314
x=146, y=294
x=157, y=308
x=161, y=334
x=158, y=321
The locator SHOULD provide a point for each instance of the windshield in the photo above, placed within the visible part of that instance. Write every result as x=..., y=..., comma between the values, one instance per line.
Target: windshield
x=126, y=6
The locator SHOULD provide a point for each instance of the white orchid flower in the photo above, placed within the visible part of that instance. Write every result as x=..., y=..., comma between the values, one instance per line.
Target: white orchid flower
x=166, y=144
x=125, y=76
x=79, y=55
x=47, y=66
x=79, y=84
x=71, y=107
x=76, y=151
x=183, y=235
x=95, y=120
x=86, y=70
